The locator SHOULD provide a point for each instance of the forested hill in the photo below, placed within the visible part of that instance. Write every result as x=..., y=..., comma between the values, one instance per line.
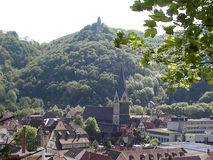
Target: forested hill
x=80, y=68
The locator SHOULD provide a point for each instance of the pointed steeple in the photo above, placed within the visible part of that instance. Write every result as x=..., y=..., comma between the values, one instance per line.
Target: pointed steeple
x=121, y=86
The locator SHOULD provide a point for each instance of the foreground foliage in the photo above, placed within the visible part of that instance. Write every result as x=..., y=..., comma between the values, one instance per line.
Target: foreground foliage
x=188, y=53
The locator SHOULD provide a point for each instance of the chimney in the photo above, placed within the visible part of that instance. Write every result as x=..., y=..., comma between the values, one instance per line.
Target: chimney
x=24, y=140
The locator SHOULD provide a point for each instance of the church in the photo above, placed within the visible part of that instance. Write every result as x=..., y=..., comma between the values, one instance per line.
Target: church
x=110, y=119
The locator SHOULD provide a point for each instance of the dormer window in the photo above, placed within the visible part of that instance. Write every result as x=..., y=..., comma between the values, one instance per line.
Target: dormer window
x=68, y=133
x=59, y=132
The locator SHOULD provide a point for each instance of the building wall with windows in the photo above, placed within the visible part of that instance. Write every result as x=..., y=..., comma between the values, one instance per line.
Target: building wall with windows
x=199, y=138
x=191, y=125
x=163, y=135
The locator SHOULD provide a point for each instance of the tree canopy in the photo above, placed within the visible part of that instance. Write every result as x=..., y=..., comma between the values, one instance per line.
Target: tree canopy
x=188, y=53
x=81, y=68
x=31, y=138
x=91, y=127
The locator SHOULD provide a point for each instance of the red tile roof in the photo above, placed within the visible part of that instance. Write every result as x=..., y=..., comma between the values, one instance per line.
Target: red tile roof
x=94, y=156
x=183, y=158
x=149, y=125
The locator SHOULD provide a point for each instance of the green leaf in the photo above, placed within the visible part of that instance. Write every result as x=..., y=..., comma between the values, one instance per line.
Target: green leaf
x=150, y=23
x=169, y=30
x=210, y=82
x=160, y=16
x=150, y=32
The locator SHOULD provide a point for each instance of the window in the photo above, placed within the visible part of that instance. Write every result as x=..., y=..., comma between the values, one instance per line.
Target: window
x=142, y=157
x=131, y=157
x=151, y=157
x=68, y=133
x=174, y=154
x=124, y=98
x=181, y=154
x=159, y=156
x=166, y=155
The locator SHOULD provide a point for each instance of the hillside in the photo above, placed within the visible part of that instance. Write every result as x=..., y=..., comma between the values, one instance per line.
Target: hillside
x=80, y=68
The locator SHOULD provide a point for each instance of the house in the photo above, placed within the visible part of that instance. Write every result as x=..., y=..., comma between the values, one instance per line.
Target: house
x=183, y=158
x=5, y=137
x=49, y=115
x=12, y=125
x=46, y=130
x=34, y=120
x=193, y=149
x=74, y=153
x=147, y=154
x=65, y=137
x=142, y=123
x=94, y=156
x=73, y=114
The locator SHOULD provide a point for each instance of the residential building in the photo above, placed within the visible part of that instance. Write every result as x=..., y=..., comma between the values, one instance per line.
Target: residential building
x=147, y=154
x=65, y=137
x=192, y=149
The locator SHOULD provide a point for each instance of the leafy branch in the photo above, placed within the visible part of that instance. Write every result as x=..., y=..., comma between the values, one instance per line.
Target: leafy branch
x=186, y=53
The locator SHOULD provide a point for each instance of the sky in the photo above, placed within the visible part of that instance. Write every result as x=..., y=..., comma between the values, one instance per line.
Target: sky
x=46, y=20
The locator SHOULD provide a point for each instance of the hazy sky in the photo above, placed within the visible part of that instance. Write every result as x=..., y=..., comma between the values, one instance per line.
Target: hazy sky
x=46, y=20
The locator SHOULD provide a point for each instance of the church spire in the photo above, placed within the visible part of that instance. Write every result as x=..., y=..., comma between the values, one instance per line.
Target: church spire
x=121, y=86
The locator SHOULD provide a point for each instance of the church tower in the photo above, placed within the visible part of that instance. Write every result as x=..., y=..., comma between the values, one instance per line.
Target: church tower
x=121, y=102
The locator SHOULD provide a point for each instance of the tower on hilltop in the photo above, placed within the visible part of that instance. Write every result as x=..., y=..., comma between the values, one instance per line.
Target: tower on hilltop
x=99, y=24
x=121, y=102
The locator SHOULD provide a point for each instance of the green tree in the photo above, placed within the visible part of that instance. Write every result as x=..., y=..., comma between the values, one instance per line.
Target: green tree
x=25, y=102
x=2, y=93
x=188, y=53
x=2, y=108
x=12, y=96
x=138, y=135
x=154, y=142
x=31, y=138
x=92, y=129
x=78, y=120
x=107, y=143
x=207, y=97
x=136, y=110
x=95, y=144
x=58, y=112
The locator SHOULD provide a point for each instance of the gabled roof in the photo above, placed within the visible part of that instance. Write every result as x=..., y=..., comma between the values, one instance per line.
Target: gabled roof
x=73, y=113
x=99, y=113
x=149, y=125
x=107, y=128
x=113, y=154
x=49, y=115
x=65, y=134
x=36, y=123
x=183, y=158
x=121, y=85
x=94, y=156
x=73, y=152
